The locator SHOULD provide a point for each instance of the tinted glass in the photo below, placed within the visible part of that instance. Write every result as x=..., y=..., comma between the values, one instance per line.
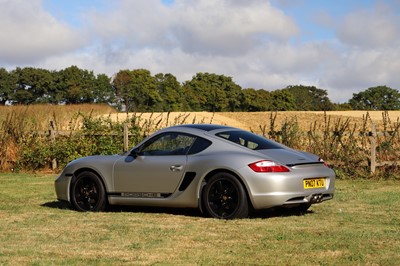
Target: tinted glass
x=168, y=144
x=249, y=140
x=199, y=145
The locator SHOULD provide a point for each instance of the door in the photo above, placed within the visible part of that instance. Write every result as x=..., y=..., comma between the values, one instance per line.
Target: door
x=157, y=166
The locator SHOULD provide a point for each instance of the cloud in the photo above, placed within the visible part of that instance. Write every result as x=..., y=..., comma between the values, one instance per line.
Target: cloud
x=203, y=27
x=229, y=28
x=253, y=41
x=28, y=33
x=371, y=28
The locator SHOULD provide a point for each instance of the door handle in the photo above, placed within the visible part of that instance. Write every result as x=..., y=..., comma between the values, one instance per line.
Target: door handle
x=176, y=168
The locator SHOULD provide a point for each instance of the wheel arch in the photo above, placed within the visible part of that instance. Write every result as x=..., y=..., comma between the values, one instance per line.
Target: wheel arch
x=101, y=202
x=87, y=169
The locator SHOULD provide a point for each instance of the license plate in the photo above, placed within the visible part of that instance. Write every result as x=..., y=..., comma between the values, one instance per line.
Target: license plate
x=314, y=183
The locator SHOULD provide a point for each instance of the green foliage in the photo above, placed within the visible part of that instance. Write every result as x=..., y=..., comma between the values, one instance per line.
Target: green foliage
x=256, y=100
x=171, y=93
x=213, y=93
x=282, y=100
x=309, y=98
x=345, y=147
x=33, y=85
x=376, y=98
x=139, y=91
x=8, y=83
x=98, y=136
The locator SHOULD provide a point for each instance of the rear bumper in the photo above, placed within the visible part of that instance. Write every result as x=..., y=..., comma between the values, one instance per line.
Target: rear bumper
x=267, y=190
x=285, y=199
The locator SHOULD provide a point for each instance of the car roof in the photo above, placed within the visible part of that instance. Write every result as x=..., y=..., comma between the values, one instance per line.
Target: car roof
x=206, y=127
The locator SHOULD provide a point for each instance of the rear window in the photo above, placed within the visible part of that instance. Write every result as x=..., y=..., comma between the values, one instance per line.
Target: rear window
x=249, y=140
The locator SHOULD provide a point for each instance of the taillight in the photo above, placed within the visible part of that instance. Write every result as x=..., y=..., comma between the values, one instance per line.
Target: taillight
x=322, y=161
x=266, y=166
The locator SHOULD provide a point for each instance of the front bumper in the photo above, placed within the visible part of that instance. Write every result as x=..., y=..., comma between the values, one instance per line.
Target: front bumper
x=62, y=185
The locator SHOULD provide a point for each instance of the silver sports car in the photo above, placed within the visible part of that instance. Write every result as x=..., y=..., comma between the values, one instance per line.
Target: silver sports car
x=223, y=171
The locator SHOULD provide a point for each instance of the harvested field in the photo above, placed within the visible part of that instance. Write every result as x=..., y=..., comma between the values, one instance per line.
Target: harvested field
x=254, y=120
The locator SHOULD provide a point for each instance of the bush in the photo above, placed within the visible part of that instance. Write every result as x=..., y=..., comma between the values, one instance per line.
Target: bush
x=98, y=136
x=345, y=146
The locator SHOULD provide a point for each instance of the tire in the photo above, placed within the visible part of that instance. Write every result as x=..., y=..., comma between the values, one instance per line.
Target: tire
x=88, y=193
x=224, y=197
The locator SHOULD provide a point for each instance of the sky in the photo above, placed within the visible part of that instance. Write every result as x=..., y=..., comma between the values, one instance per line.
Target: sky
x=342, y=46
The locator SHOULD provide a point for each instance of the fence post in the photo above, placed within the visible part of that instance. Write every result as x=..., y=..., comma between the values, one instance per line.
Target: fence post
x=126, y=137
x=373, y=148
x=52, y=140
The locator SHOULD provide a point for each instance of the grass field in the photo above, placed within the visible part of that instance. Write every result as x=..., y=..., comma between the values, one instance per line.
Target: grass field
x=360, y=226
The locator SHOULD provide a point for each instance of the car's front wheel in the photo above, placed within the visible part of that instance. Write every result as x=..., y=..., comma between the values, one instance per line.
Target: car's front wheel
x=224, y=197
x=88, y=193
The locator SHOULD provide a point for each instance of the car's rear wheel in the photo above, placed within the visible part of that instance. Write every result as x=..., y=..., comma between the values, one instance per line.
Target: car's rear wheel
x=224, y=197
x=88, y=193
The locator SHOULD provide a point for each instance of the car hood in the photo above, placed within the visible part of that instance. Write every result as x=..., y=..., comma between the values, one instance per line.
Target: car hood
x=289, y=156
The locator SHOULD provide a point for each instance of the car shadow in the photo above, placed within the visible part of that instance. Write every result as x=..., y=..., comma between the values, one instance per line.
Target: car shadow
x=188, y=212
x=56, y=205
x=278, y=212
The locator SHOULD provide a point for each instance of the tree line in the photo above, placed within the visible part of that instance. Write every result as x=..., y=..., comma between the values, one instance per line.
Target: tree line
x=139, y=91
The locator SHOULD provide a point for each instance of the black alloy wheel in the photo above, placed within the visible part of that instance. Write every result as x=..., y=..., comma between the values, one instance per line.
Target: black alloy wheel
x=224, y=197
x=88, y=193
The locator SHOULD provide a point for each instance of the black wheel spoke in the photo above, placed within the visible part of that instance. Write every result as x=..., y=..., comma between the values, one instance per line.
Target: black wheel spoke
x=223, y=197
x=88, y=193
x=232, y=191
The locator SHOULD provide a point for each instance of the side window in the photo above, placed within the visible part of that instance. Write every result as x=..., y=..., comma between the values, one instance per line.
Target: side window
x=168, y=144
x=199, y=145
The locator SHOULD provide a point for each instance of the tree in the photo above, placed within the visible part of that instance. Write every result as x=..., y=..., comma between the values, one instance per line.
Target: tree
x=121, y=83
x=77, y=85
x=8, y=83
x=255, y=100
x=144, y=88
x=376, y=98
x=213, y=93
x=138, y=90
x=282, y=100
x=33, y=85
x=171, y=92
x=103, y=91
x=310, y=98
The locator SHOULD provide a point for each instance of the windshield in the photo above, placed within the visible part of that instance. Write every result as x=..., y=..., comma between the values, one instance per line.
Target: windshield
x=249, y=140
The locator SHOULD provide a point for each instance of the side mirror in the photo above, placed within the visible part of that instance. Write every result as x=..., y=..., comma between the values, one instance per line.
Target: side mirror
x=134, y=153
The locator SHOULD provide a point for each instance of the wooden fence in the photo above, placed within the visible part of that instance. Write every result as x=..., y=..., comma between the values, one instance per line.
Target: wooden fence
x=373, y=135
x=374, y=144
x=53, y=133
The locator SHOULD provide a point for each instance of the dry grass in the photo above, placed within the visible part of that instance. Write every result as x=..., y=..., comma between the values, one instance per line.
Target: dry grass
x=253, y=120
x=305, y=118
x=38, y=117
x=358, y=227
x=309, y=131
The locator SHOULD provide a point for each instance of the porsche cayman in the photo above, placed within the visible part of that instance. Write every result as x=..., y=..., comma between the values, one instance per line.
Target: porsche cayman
x=224, y=171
